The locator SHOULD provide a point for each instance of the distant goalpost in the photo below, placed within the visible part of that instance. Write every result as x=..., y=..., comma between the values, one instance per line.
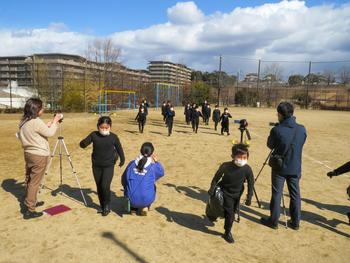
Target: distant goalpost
x=167, y=91
x=106, y=103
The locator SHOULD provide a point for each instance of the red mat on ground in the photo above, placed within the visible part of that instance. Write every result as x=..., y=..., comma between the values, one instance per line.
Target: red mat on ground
x=55, y=210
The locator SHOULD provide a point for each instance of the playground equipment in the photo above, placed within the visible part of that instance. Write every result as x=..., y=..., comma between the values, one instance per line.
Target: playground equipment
x=166, y=91
x=106, y=103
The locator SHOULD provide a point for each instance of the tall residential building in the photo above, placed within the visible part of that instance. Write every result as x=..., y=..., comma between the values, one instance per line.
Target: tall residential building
x=168, y=72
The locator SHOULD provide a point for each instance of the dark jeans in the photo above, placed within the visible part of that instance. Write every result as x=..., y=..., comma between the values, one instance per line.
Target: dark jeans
x=195, y=124
x=225, y=128
x=170, y=127
x=230, y=206
x=216, y=125
x=103, y=178
x=142, y=125
x=294, y=193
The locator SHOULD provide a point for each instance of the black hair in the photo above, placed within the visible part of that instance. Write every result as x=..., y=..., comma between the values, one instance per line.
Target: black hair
x=240, y=149
x=286, y=109
x=216, y=106
x=31, y=110
x=146, y=150
x=226, y=109
x=104, y=120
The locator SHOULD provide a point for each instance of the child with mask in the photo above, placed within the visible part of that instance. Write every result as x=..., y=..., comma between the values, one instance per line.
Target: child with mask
x=216, y=116
x=195, y=119
x=105, y=152
x=233, y=174
x=141, y=119
x=170, y=120
x=225, y=122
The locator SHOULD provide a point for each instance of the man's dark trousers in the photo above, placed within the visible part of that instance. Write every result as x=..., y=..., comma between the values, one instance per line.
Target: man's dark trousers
x=277, y=191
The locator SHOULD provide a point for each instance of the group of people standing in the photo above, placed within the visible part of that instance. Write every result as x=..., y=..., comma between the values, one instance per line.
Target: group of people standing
x=192, y=114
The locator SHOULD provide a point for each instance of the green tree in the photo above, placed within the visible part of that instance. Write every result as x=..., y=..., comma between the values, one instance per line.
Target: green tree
x=200, y=91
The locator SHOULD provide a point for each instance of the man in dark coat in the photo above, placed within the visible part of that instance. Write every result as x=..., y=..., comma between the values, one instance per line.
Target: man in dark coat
x=216, y=116
x=287, y=140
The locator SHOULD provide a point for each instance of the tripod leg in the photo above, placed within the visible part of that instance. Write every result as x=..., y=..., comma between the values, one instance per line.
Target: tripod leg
x=49, y=164
x=73, y=170
x=284, y=211
x=256, y=197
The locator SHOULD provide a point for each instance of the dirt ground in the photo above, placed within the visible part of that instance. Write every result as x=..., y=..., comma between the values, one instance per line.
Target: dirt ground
x=176, y=229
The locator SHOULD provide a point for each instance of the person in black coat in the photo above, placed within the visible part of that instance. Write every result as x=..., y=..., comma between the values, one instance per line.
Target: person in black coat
x=106, y=148
x=195, y=119
x=141, y=119
x=287, y=140
x=231, y=177
x=207, y=114
x=146, y=106
x=216, y=116
x=204, y=108
x=167, y=108
x=164, y=111
x=225, y=122
x=187, y=113
x=170, y=120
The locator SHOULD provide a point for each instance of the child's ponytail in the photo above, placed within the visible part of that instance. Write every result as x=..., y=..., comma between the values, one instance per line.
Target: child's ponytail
x=147, y=150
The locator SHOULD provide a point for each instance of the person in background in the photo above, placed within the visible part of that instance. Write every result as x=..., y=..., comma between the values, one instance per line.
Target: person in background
x=225, y=122
x=216, y=116
x=170, y=120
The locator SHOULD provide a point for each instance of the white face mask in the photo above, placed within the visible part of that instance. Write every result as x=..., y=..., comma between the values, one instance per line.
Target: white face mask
x=240, y=162
x=104, y=132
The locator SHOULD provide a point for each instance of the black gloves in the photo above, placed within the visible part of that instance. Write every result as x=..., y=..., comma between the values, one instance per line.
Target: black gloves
x=211, y=191
x=248, y=202
x=121, y=164
x=331, y=174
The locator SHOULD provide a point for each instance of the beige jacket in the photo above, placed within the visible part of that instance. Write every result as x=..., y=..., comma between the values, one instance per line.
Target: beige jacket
x=33, y=135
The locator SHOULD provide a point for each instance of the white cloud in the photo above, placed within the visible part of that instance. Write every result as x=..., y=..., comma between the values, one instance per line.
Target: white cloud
x=288, y=30
x=185, y=13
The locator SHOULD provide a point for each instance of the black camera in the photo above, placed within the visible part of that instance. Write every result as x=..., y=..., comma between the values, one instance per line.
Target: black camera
x=273, y=123
x=58, y=112
x=242, y=123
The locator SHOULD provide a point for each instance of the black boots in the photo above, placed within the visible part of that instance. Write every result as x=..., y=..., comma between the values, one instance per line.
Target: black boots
x=29, y=214
x=105, y=210
x=228, y=237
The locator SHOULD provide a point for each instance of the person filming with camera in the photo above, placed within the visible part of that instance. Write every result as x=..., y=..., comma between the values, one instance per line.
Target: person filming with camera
x=33, y=134
x=286, y=140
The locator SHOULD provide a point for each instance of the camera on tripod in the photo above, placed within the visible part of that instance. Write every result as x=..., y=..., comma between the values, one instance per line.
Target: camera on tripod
x=242, y=123
x=59, y=112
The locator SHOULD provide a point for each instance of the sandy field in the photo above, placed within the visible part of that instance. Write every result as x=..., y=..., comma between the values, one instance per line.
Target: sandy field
x=176, y=229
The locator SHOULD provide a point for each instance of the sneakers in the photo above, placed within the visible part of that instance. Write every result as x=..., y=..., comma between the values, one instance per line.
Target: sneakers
x=266, y=221
x=292, y=225
x=31, y=214
x=143, y=211
x=228, y=237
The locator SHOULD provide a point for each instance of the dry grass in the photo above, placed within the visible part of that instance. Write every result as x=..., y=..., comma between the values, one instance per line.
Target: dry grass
x=176, y=230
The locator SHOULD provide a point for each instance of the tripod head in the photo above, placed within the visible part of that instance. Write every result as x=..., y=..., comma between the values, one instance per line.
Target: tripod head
x=243, y=124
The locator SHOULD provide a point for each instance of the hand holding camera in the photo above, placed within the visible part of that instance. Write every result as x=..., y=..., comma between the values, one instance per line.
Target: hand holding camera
x=57, y=118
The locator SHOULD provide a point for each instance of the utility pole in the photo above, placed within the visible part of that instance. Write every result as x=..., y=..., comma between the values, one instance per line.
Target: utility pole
x=10, y=84
x=307, y=87
x=258, y=81
x=219, y=80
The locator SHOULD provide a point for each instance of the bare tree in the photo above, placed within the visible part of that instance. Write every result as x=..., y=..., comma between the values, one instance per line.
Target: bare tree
x=329, y=76
x=345, y=75
x=105, y=56
x=273, y=72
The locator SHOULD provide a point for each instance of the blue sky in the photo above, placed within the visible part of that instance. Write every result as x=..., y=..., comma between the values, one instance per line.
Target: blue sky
x=195, y=33
x=104, y=17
